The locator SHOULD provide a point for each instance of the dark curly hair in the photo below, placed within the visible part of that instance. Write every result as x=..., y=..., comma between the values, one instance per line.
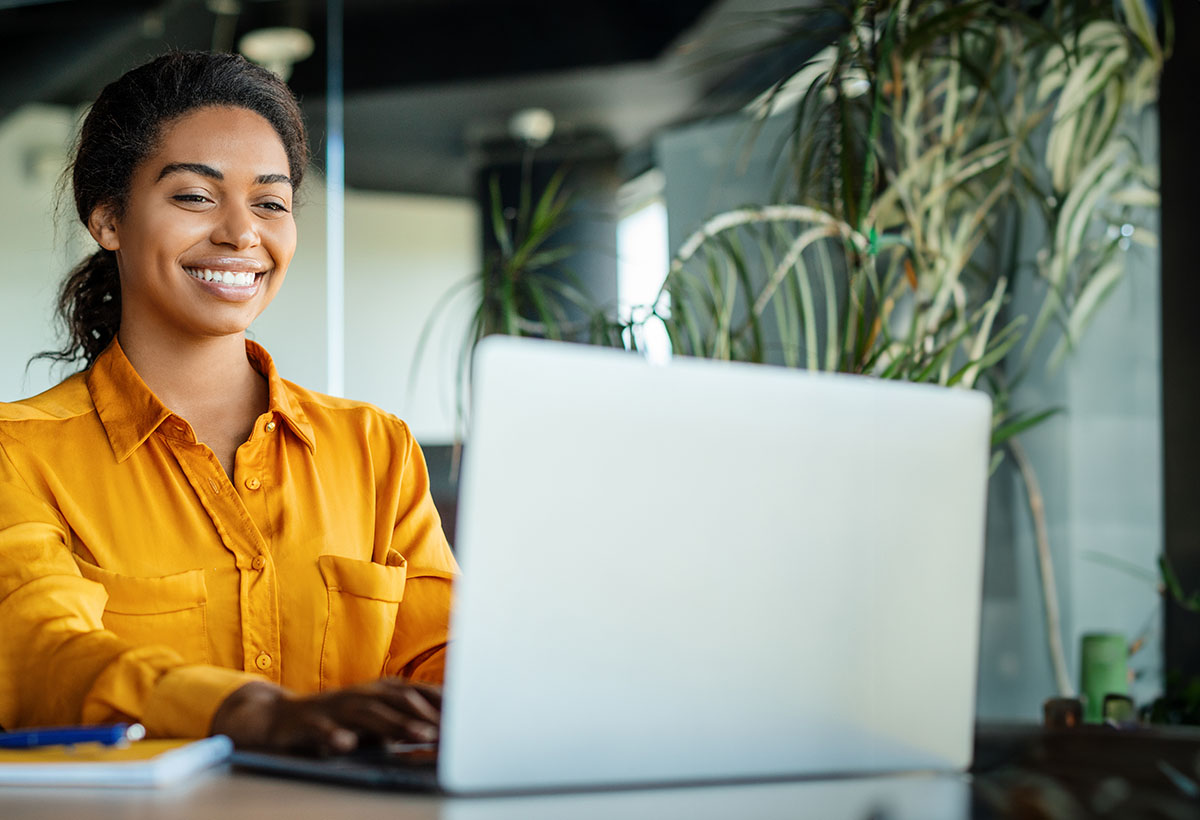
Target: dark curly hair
x=122, y=128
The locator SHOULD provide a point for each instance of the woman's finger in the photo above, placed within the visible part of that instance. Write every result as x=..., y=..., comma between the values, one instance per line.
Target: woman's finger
x=332, y=722
x=431, y=691
x=308, y=726
x=372, y=716
x=419, y=703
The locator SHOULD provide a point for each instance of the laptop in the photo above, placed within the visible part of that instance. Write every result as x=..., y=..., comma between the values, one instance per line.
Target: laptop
x=703, y=571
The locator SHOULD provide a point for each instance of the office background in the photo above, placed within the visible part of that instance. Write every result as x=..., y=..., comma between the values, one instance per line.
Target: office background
x=647, y=101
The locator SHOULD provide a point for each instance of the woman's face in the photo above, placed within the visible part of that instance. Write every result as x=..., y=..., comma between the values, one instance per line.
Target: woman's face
x=207, y=233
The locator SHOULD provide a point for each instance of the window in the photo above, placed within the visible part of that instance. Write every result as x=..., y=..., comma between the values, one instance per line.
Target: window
x=642, y=261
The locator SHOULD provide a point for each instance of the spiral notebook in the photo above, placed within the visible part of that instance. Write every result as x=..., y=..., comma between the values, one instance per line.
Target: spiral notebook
x=142, y=764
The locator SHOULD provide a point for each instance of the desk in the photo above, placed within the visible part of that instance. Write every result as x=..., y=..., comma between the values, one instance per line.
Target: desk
x=225, y=795
x=1021, y=771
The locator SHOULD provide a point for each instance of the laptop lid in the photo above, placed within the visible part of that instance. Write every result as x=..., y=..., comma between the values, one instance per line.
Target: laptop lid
x=710, y=571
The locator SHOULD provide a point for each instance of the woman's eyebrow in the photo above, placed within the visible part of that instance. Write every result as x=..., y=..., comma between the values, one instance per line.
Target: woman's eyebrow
x=213, y=173
x=268, y=179
x=192, y=167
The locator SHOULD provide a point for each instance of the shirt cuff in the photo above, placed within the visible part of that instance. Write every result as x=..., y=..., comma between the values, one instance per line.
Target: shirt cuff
x=184, y=700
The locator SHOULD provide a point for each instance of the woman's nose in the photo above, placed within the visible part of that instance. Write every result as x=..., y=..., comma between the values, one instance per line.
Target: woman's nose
x=236, y=228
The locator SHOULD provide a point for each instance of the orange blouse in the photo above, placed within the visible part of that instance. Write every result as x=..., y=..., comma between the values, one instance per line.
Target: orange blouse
x=137, y=581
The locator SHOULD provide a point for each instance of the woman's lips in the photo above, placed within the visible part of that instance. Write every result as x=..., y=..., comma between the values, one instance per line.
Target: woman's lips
x=232, y=286
x=228, y=277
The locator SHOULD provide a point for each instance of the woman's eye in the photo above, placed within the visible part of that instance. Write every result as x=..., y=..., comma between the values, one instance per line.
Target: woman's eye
x=190, y=198
x=274, y=206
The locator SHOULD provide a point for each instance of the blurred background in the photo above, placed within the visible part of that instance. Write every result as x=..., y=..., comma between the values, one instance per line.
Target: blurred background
x=429, y=117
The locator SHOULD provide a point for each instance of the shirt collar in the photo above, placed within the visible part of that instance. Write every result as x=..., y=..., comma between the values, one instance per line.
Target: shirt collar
x=130, y=411
x=282, y=402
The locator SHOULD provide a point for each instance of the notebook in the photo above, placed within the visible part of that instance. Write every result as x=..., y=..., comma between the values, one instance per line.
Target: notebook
x=707, y=572
x=141, y=764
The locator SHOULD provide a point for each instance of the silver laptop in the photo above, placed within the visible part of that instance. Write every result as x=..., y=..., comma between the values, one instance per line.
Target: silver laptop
x=710, y=571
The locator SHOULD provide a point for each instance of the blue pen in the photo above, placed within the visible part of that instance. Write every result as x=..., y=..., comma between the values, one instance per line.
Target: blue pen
x=108, y=735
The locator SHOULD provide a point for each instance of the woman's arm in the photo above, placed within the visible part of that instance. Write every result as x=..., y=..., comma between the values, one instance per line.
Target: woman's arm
x=422, y=625
x=58, y=664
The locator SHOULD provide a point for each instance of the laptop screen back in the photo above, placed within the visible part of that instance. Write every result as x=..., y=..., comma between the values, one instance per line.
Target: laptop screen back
x=710, y=571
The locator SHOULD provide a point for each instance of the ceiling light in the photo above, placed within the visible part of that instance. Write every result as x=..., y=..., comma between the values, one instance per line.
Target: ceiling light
x=277, y=48
x=532, y=126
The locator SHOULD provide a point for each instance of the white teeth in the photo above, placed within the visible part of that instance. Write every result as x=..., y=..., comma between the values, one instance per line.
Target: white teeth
x=240, y=279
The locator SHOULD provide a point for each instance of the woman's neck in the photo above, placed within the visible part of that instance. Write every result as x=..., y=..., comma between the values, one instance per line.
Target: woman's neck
x=209, y=382
x=193, y=373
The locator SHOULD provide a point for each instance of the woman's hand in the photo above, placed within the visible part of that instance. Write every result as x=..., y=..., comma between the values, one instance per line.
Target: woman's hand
x=261, y=715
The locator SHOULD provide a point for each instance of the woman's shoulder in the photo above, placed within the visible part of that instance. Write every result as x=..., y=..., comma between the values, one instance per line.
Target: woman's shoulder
x=67, y=399
x=322, y=408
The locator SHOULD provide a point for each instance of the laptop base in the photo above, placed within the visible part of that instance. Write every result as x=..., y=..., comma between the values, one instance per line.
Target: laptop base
x=376, y=769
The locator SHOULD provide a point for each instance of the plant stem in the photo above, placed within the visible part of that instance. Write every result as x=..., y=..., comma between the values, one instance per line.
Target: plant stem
x=868, y=182
x=1037, y=511
x=771, y=213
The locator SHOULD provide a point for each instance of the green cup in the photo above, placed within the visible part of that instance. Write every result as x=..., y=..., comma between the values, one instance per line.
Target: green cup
x=1103, y=671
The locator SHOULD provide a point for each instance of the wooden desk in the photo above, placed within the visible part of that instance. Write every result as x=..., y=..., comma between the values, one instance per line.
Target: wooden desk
x=1020, y=771
x=225, y=795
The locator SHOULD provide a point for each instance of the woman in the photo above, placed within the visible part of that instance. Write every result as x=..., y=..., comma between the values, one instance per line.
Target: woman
x=186, y=539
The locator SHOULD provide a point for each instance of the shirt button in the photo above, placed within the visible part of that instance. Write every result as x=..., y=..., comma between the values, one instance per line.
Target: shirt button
x=253, y=483
x=263, y=661
x=270, y=427
x=259, y=562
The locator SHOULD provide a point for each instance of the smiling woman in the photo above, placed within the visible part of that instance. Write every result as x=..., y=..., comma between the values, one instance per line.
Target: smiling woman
x=186, y=539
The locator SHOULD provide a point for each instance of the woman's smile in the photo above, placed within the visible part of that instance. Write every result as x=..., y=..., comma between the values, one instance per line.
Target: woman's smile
x=232, y=287
x=227, y=280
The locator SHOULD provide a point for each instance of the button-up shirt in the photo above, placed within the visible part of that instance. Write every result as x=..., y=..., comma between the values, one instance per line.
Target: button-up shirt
x=139, y=581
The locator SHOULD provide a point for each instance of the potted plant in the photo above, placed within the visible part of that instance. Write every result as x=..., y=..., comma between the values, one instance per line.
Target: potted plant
x=927, y=139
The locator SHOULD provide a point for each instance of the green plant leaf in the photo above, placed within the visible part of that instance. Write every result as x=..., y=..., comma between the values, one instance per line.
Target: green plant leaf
x=1019, y=424
x=499, y=224
x=735, y=252
x=1098, y=286
x=1002, y=344
x=550, y=205
x=431, y=321
x=1171, y=581
x=950, y=21
x=997, y=459
x=1137, y=17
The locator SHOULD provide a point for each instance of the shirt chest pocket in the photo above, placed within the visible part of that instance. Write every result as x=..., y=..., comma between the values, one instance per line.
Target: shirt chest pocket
x=364, y=600
x=169, y=610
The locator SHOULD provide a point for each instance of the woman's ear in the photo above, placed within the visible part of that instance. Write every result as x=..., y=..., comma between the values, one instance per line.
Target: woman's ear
x=102, y=225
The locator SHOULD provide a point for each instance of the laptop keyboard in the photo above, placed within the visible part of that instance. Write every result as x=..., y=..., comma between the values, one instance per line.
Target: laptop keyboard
x=411, y=767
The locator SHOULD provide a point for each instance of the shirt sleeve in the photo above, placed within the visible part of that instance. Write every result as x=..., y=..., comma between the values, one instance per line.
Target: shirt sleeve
x=58, y=664
x=422, y=625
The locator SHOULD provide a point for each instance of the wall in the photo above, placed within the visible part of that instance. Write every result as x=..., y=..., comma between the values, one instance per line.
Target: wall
x=33, y=254
x=403, y=254
x=713, y=166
